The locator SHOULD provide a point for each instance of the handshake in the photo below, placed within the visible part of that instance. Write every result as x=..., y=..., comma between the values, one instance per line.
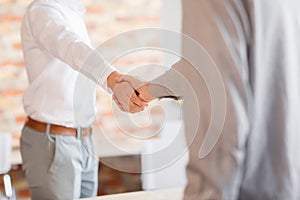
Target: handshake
x=132, y=95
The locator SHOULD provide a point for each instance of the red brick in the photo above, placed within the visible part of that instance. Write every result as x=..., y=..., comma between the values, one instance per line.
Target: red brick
x=12, y=92
x=16, y=136
x=11, y=18
x=93, y=9
x=12, y=63
x=91, y=26
x=97, y=123
x=149, y=19
x=17, y=46
x=107, y=114
x=123, y=19
x=20, y=119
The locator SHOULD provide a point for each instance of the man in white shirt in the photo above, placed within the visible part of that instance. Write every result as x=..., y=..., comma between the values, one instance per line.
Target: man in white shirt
x=56, y=144
x=255, y=45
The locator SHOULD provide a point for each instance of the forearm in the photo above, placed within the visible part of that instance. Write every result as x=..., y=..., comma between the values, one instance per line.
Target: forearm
x=171, y=83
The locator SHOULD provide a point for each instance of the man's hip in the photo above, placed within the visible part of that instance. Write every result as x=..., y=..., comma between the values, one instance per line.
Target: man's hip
x=56, y=164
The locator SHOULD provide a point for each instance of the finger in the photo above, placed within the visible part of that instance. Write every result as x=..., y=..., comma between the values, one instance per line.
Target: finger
x=133, y=111
x=126, y=103
x=137, y=101
x=120, y=106
x=118, y=103
x=124, y=78
x=134, y=82
x=142, y=98
x=116, y=100
x=133, y=108
x=125, y=98
x=119, y=79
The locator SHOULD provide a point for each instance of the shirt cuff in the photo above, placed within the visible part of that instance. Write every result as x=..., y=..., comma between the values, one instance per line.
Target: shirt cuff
x=103, y=78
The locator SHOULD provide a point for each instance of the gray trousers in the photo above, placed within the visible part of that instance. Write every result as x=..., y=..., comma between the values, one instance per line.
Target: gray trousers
x=57, y=166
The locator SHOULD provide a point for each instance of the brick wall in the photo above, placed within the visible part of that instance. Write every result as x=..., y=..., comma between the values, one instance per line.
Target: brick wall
x=104, y=18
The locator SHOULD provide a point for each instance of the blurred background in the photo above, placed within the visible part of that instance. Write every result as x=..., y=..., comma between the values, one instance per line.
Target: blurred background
x=104, y=19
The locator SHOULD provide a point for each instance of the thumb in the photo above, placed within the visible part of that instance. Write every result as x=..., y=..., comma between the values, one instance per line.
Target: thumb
x=119, y=79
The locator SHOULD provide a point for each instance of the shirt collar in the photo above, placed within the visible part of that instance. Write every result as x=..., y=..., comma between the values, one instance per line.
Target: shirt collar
x=74, y=5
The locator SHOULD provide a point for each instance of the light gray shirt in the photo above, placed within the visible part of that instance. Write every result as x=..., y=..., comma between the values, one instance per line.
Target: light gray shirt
x=256, y=47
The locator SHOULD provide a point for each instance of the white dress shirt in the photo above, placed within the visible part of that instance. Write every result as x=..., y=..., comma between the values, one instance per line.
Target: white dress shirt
x=56, y=44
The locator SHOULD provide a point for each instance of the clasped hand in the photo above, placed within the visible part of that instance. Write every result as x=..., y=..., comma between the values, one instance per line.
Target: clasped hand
x=130, y=94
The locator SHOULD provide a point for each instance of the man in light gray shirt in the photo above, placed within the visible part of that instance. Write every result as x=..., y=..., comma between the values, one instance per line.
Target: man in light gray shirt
x=256, y=47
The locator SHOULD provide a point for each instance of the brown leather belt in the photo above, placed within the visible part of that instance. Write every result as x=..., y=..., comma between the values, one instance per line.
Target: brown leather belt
x=57, y=129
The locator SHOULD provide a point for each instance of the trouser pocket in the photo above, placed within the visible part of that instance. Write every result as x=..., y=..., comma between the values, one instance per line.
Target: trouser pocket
x=35, y=159
x=88, y=152
x=53, y=151
x=25, y=147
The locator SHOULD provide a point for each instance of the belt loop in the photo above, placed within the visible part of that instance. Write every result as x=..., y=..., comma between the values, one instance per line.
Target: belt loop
x=48, y=126
x=79, y=132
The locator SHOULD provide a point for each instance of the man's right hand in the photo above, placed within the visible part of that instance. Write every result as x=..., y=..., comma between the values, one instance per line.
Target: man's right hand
x=124, y=93
x=141, y=88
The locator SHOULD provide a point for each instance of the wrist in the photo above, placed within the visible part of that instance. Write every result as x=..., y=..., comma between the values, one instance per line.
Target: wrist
x=145, y=93
x=157, y=90
x=112, y=79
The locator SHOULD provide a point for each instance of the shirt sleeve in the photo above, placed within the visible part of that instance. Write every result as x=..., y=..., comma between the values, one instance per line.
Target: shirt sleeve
x=52, y=31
